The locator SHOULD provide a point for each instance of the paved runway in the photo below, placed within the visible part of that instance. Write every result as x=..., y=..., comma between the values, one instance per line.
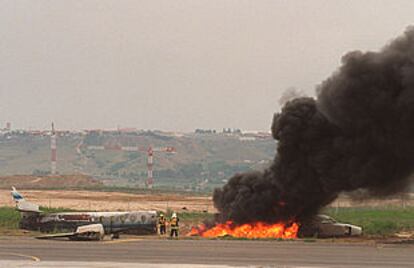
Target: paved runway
x=15, y=250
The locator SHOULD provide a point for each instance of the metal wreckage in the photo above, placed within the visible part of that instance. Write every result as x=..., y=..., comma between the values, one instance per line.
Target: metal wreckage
x=83, y=225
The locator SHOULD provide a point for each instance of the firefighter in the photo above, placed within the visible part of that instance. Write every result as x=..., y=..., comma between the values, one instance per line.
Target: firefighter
x=162, y=223
x=174, y=225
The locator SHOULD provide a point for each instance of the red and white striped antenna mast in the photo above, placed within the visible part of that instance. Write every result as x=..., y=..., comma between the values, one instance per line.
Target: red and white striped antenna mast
x=150, y=162
x=53, y=153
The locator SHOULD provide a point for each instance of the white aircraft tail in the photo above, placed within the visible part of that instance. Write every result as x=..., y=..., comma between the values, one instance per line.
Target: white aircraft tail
x=21, y=204
x=15, y=195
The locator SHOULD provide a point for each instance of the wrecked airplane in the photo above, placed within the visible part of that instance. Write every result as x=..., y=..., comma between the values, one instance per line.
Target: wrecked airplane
x=83, y=225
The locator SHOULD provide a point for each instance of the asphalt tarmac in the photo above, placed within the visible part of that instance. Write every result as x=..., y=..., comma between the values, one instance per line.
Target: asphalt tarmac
x=176, y=253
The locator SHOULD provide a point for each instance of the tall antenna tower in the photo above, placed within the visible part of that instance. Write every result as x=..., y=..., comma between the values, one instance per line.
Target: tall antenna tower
x=150, y=163
x=53, y=151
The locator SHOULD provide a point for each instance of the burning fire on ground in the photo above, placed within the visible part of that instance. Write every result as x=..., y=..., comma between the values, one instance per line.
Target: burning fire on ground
x=248, y=230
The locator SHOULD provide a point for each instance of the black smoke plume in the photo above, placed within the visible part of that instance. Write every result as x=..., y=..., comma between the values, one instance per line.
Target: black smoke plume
x=357, y=134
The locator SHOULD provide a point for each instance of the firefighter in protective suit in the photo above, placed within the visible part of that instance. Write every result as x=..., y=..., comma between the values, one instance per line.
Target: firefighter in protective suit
x=162, y=221
x=174, y=225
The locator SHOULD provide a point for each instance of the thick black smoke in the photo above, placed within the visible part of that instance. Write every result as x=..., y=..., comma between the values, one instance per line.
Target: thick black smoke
x=357, y=134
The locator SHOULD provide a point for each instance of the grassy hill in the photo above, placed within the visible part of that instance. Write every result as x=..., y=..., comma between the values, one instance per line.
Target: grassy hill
x=201, y=161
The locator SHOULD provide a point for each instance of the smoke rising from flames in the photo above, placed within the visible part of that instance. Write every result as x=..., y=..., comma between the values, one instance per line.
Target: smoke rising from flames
x=358, y=133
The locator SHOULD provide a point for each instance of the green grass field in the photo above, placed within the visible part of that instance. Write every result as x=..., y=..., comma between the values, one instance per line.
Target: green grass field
x=9, y=218
x=376, y=221
x=195, y=216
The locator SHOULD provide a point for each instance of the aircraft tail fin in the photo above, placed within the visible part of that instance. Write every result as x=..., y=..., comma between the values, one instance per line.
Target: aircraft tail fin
x=16, y=195
x=21, y=204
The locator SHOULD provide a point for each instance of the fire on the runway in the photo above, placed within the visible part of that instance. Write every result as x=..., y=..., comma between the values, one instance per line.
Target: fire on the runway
x=248, y=230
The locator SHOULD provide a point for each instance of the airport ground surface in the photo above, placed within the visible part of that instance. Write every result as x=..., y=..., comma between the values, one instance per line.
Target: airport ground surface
x=139, y=252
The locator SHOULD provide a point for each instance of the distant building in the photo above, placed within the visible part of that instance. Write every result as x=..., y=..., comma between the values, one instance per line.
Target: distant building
x=205, y=131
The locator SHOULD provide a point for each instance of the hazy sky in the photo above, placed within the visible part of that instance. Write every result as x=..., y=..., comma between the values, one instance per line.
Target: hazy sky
x=176, y=65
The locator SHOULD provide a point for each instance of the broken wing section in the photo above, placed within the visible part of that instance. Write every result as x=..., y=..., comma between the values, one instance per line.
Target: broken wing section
x=85, y=232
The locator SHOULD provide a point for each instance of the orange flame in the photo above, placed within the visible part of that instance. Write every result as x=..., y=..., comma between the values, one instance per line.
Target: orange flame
x=248, y=230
